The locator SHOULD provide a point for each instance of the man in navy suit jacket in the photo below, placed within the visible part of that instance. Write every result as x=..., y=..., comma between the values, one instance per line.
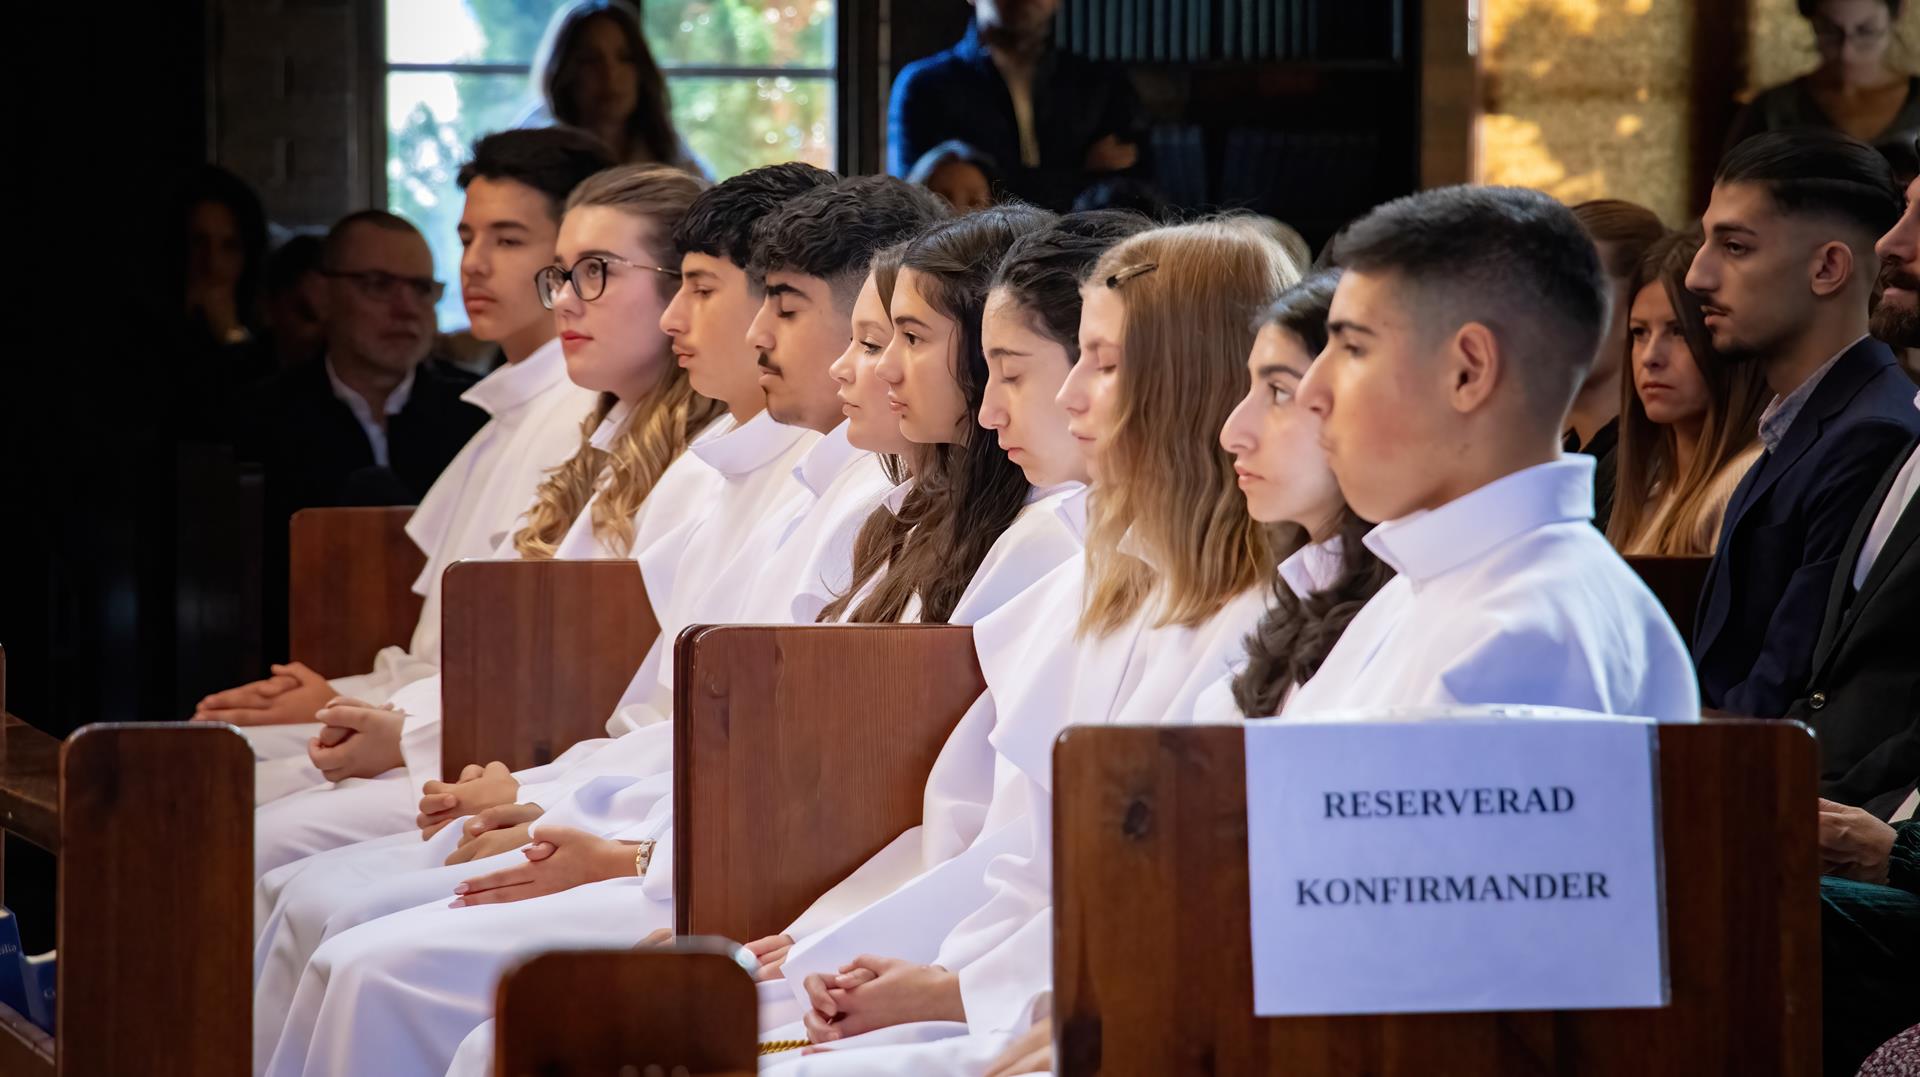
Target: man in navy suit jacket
x=1786, y=276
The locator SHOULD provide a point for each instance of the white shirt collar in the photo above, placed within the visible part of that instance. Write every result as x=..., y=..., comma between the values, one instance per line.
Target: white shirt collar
x=1072, y=510
x=611, y=426
x=750, y=446
x=897, y=496
x=1313, y=568
x=826, y=460
x=1431, y=543
x=514, y=384
x=358, y=404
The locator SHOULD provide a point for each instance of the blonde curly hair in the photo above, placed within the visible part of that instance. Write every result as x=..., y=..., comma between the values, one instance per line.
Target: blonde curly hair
x=662, y=422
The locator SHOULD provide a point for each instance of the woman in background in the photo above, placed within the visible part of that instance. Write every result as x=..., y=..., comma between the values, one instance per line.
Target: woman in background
x=1689, y=419
x=595, y=72
x=1855, y=90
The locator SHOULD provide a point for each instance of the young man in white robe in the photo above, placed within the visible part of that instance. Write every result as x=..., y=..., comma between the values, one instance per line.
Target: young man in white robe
x=1447, y=428
x=599, y=822
x=515, y=186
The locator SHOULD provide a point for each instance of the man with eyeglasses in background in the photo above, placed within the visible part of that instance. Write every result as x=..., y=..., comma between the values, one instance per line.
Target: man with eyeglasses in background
x=372, y=421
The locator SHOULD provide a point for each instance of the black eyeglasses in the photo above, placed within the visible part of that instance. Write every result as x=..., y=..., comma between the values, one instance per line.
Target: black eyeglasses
x=377, y=285
x=588, y=278
x=1131, y=272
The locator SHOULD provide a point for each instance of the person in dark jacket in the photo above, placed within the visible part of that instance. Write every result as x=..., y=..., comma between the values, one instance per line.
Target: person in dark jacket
x=1052, y=121
x=1785, y=277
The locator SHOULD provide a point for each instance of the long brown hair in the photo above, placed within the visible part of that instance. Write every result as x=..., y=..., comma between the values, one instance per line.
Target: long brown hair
x=556, y=66
x=662, y=422
x=1297, y=632
x=1736, y=395
x=964, y=495
x=1165, y=481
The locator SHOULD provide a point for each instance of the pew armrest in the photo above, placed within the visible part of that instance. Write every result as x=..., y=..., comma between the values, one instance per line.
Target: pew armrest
x=799, y=753
x=350, y=586
x=29, y=783
x=534, y=655
x=688, y=1007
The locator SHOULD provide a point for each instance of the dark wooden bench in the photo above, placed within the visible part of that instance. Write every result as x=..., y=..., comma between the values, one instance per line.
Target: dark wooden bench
x=1677, y=583
x=1153, y=971
x=688, y=1007
x=351, y=574
x=152, y=829
x=534, y=655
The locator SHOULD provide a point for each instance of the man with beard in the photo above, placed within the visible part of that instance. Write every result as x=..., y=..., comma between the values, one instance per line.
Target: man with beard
x=1864, y=696
x=1785, y=277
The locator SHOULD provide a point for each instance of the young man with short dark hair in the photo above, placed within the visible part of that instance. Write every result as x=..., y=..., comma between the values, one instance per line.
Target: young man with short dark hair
x=1786, y=276
x=1464, y=323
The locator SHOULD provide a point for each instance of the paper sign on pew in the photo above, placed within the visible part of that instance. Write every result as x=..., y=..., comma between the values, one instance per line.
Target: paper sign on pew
x=1462, y=863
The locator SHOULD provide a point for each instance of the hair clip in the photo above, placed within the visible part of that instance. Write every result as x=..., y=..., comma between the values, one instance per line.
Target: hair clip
x=1131, y=272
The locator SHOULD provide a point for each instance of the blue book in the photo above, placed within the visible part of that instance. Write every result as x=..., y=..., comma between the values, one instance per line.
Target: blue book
x=38, y=972
x=13, y=989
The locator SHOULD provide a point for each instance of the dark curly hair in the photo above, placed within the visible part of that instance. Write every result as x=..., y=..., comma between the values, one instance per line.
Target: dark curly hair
x=833, y=232
x=720, y=222
x=1044, y=269
x=1297, y=632
x=551, y=160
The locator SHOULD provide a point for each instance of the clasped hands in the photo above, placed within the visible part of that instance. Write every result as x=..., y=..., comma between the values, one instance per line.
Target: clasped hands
x=291, y=695
x=1854, y=843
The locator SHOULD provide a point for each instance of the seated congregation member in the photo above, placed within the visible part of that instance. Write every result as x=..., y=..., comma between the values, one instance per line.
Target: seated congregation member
x=1028, y=325
x=1168, y=588
x=515, y=184
x=729, y=473
x=1288, y=484
x=1863, y=698
x=1463, y=325
x=598, y=504
x=1689, y=418
x=775, y=545
x=1786, y=275
x=1622, y=231
x=1869, y=931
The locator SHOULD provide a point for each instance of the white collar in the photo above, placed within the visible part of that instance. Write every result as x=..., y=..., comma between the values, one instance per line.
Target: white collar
x=611, y=426
x=514, y=384
x=749, y=446
x=351, y=397
x=897, y=496
x=1072, y=509
x=1431, y=543
x=1313, y=568
x=824, y=462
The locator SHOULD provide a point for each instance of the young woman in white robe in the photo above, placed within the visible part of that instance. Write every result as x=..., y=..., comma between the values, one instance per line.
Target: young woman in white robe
x=1169, y=588
x=723, y=483
x=516, y=186
x=968, y=536
x=591, y=506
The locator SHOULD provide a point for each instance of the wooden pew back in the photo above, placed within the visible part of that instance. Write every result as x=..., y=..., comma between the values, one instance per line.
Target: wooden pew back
x=1677, y=583
x=1153, y=973
x=799, y=752
x=534, y=656
x=600, y=1013
x=350, y=586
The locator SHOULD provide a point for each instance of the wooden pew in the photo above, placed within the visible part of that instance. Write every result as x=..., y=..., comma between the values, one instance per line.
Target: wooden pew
x=598, y=1013
x=799, y=752
x=1153, y=973
x=534, y=655
x=152, y=826
x=1677, y=583
x=351, y=574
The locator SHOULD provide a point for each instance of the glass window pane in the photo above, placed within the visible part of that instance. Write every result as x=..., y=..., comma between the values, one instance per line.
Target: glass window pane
x=433, y=119
x=741, y=33
x=734, y=124
x=466, y=31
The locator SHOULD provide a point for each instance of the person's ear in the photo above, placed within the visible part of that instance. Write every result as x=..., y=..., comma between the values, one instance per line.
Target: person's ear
x=1474, y=365
x=1832, y=268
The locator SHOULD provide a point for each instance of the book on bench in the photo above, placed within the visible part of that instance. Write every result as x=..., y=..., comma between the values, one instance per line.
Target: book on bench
x=38, y=973
x=13, y=988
